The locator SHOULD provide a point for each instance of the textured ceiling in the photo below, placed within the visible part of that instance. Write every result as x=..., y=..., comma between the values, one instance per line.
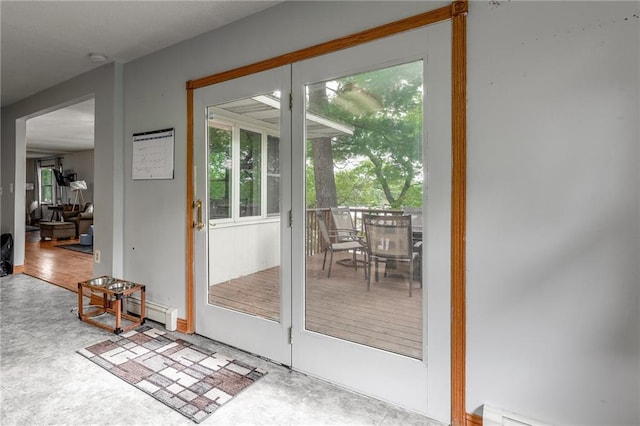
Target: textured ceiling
x=64, y=130
x=47, y=42
x=44, y=43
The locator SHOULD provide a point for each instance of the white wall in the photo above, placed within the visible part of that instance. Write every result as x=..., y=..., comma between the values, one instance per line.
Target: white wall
x=30, y=177
x=241, y=250
x=553, y=210
x=80, y=163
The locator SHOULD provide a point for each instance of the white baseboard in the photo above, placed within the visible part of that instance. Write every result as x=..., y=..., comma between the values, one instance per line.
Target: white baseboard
x=155, y=312
x=492, y=416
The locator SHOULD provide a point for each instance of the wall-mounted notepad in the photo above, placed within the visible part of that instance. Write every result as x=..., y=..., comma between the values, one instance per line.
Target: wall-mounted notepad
x=153, y=154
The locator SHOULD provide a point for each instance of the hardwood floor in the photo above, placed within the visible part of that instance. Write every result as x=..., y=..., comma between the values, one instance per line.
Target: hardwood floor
x=62, y=267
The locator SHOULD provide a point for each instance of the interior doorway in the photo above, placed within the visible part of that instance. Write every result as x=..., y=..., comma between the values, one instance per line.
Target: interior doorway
x=59, y=193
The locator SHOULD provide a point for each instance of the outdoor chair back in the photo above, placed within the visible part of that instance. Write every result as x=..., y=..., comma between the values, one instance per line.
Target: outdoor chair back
x=389, y=240
x=345, y=230
x=331, y=246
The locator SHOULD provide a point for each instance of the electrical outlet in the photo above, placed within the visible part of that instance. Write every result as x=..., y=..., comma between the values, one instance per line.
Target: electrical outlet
x=96, y=256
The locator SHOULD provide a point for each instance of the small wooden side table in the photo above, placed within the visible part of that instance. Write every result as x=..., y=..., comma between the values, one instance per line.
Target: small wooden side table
x=112, y=289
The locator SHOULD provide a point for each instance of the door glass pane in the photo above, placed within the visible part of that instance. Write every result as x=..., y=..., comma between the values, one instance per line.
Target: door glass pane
x=250, y=175
x=244, y=255
x=273, y=175
x=219, y=171
x=364, y=155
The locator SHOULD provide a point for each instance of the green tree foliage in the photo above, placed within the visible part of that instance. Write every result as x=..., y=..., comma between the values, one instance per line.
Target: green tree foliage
x=381, y=163
x=219, y=163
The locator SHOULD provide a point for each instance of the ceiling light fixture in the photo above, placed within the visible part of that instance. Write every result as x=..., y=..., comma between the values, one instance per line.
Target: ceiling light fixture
x=98, y=57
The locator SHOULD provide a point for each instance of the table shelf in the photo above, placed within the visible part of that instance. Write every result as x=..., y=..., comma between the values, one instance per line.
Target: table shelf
x=113, y=290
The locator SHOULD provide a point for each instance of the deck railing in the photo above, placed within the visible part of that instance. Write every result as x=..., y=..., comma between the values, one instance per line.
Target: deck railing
x=313, y=242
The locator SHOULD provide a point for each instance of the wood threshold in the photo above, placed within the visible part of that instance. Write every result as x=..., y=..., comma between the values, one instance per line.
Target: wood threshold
x=182, y=326
x=473, y=420
x=456, y=11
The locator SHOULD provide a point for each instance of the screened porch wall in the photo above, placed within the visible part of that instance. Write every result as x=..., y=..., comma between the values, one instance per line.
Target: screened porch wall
x=242, y=249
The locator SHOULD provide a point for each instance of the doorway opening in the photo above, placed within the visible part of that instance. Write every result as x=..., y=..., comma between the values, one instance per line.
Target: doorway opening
x=59, y=194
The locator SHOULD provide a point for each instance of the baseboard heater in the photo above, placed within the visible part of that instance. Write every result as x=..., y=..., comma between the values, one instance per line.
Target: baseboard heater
x=492, y=416
x=155, y=312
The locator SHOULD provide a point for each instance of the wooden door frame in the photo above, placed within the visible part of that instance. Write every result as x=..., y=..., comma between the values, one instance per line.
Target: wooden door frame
x=457, y=12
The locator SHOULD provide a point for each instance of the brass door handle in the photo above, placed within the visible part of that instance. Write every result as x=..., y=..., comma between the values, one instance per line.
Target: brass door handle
x=198, y=206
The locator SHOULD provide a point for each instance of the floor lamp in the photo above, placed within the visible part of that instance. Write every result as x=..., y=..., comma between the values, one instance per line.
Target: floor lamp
x=78, y=186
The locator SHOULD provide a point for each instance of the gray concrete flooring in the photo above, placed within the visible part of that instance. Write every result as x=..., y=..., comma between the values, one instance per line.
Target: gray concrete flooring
x=43, y=381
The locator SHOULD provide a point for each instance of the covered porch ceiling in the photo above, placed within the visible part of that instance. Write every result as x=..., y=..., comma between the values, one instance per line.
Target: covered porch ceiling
x=264, y=111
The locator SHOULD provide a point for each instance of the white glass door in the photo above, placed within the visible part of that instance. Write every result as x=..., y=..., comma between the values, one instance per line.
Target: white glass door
x=283, y=258
x=243, y=295
x=371, y=137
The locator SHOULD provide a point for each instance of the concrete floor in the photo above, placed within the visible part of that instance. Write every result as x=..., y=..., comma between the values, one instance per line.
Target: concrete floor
x=43, y=381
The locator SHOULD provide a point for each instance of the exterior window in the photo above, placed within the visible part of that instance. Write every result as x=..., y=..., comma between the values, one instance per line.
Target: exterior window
x=244, y=172
x=47, y=188
x=273, y=175
x=220, y=172
x=250, y=173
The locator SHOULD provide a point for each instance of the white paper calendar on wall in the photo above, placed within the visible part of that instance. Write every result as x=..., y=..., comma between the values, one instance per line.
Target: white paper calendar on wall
x=153, y=154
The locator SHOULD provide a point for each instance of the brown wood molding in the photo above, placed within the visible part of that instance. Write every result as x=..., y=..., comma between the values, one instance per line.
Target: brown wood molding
x=341, y=43
x=18, y=269
x=459, y=7
x=189, y=325
x=473, y=420
x=458, y=216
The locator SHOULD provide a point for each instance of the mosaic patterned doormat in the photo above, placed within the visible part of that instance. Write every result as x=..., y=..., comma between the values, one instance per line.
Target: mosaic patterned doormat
x=191, y=380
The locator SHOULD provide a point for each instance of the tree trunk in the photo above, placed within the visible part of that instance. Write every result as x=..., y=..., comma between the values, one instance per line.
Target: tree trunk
x=326, y=195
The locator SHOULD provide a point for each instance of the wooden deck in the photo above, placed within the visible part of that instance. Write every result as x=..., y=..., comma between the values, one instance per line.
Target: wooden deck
x=384, y=317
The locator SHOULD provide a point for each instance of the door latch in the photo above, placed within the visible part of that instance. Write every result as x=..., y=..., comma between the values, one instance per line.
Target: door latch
x=198, y=206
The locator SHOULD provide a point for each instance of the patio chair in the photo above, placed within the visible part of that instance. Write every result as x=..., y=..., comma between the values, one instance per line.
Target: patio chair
x=389, y=240
x=329, y=245
x=344, y=227
x=416, y=232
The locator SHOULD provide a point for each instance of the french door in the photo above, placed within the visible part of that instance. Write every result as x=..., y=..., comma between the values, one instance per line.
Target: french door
x=390, y=156
x=242, y=249
x=367, y=128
